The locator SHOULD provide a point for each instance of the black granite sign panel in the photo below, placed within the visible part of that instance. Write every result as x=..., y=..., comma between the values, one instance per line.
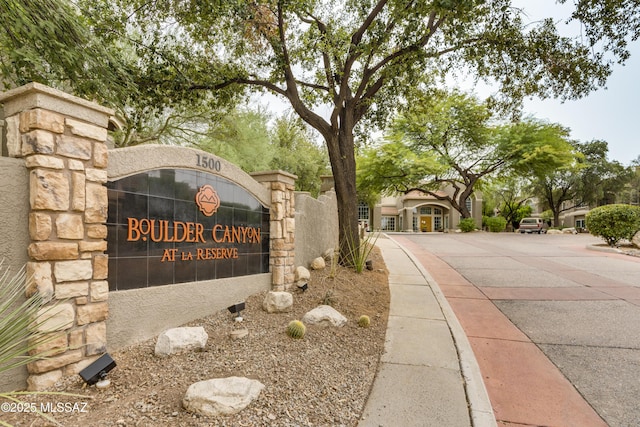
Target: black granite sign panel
x=172, y=226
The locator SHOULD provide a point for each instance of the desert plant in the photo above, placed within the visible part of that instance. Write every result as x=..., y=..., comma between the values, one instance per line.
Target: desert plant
x=334, y=263
x=467, y=225
x=364, y=321
x=296, y=329
x=358, y=254
x=614, y=222
x=22, y=330
x=328, y=298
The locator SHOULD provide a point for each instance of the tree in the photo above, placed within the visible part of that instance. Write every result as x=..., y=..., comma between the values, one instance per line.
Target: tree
x=511, y=197
x=242, y=137
x=601, y=179
x=295, y=152
x=447, y=140
x=47, y=41
x=590, y=180
x=357, y=59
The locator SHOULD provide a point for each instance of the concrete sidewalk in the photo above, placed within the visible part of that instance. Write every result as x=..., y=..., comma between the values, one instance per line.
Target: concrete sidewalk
x=428, y=375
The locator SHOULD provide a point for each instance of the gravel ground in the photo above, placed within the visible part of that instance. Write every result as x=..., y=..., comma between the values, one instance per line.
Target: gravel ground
x=323, y=379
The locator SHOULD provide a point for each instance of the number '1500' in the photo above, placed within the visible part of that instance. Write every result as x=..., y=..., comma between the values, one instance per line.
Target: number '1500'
x=208, y=162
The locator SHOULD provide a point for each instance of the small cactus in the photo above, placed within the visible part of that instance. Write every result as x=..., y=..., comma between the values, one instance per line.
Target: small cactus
x=296, y=329
x=364, y=321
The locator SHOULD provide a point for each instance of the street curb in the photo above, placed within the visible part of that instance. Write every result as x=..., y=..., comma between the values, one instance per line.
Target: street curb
x=480, y=409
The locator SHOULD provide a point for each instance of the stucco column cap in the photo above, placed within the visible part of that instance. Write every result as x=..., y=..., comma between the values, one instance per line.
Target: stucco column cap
x=275, y=176
x=36, y=95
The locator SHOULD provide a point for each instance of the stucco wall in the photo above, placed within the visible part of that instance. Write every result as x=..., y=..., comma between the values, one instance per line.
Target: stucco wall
x=316, y=226
x=14, y=236
x=139, y=314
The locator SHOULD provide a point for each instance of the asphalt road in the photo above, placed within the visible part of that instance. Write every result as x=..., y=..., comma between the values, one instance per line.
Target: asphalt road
x=579, y=306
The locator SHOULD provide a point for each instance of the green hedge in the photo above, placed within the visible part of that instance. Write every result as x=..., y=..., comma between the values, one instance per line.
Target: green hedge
x=495, y=224
x=614, y=222
x=467, y=225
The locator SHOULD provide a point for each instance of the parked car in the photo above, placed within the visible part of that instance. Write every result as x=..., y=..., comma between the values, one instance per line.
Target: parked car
x=533, y=225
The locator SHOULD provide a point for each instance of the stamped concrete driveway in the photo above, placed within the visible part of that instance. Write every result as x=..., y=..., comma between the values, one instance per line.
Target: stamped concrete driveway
x=555, y=326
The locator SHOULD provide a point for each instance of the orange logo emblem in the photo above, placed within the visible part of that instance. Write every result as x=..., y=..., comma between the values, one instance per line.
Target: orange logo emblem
x=207, y=200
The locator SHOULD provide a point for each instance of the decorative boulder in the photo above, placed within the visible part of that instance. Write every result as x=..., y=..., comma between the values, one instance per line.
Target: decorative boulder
x=554, y=231
x=180, y=339
x=221, y=396
x=302, y=275
x=277, y=302
x=328, y=255
x=324, y=315
x=318, y=264
x=635, y=240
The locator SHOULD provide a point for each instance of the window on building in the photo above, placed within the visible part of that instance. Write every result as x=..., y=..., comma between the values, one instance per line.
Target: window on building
x=425, y=210
x=469, y=204
x=437, y=223
x=580, y=223
x=437, y=211
x=363, y=212
x=389, y=223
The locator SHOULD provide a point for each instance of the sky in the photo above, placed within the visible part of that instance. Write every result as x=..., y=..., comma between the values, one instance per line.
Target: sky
x=610, y=114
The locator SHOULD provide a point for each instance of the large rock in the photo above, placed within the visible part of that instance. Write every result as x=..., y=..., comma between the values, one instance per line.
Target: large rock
x=318, y=263
x=302, y=276
x=177, y=340
x=635, y=240
x=277, y=302
x=324, y=315
x=221, y=396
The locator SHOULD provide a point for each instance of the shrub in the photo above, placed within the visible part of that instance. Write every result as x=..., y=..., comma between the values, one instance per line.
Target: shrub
x=359, y=254
x=496, y=224
x=614, y=222
x=467, y=225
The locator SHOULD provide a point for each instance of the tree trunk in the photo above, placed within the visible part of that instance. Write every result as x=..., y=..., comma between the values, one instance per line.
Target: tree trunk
x=343, y=164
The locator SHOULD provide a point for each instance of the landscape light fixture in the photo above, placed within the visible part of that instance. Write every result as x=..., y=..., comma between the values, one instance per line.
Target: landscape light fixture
x=96, y=372
x=303, y=287
x=236, y=309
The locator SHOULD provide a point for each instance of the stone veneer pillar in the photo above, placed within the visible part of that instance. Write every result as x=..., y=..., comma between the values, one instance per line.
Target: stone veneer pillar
x=282, y=227
x=63, y=142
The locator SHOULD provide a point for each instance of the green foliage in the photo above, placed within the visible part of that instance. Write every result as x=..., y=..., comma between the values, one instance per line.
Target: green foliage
x=295, y=152
x=392, y=168
x=467, y=224
x=364, y=321
x=296, y=329
x=495, y=224
x=49, y=42
x=614, y=222
x=449, y=140
x=242, y=138
x=357, y=252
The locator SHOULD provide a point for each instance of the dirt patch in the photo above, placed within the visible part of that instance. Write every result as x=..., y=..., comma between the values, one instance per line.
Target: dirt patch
x=323, y=379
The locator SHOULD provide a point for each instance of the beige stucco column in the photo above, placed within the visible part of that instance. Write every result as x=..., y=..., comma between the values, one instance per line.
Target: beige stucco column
x=282, y=227
x=62, y=139
x=408, y=220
